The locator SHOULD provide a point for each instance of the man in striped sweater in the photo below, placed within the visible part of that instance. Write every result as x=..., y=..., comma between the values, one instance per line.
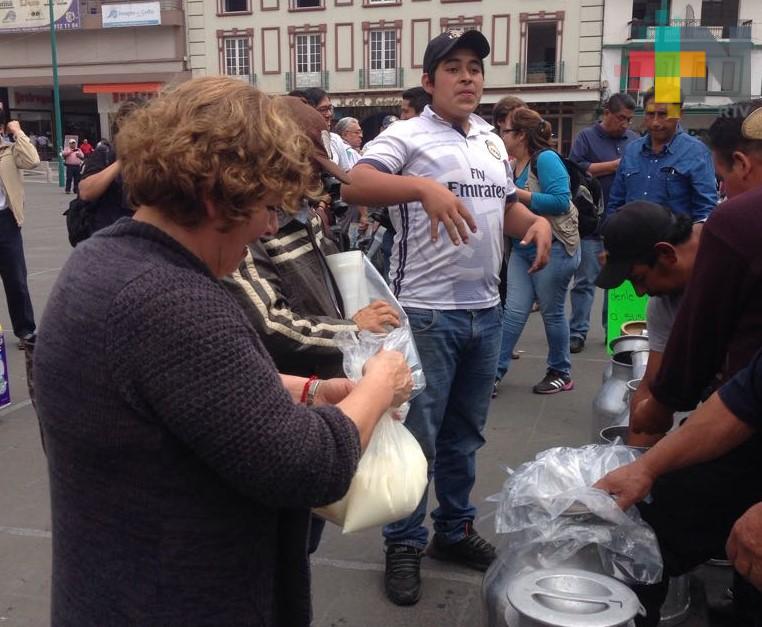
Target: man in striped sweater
x=286, y=288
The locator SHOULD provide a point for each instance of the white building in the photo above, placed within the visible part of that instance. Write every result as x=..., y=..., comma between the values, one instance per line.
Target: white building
x=108, y=50
x=728, y=31
x=366, y=52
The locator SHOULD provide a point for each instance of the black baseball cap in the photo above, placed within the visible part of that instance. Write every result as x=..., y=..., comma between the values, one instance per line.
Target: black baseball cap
x=441, y=45
x=629, y=236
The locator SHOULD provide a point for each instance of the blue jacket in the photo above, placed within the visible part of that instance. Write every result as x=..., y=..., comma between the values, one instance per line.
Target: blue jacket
x=680, y=177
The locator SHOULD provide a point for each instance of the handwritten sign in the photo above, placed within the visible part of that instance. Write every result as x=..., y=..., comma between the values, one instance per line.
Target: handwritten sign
x=624, y=305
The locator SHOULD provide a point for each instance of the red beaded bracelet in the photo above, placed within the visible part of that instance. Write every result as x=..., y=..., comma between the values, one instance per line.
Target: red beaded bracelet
x=306, y=389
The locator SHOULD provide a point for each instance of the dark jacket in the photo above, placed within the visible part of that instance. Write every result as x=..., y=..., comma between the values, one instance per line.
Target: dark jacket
x=114, y=204
x=181, y=472
x=290, y=297
x=718, y=327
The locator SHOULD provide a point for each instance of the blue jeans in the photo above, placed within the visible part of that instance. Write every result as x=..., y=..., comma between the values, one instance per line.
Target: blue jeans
x=13, y=273
x=72, y=176
x=548, y=287
x=583, y=290
x=459, y=355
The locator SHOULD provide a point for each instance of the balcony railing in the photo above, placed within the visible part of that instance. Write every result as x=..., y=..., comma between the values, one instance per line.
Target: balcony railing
x=691, y=29
x=539, y=73
x=380, y=79
x=251, y=79
x=303, y=80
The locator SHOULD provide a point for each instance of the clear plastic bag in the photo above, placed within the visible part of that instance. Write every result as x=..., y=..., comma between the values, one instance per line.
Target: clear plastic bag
x=552, y=516
x=393, y=471
x=389, y=481
x=360, y=284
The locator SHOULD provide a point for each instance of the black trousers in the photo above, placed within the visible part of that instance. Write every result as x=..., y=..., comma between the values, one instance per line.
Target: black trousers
x=13, y=274
x=692, y=512
x=73, y=175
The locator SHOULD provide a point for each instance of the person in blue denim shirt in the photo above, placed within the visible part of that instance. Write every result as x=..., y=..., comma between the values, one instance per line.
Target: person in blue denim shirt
x=540, y=169
x=666, y=166
x=598, y=149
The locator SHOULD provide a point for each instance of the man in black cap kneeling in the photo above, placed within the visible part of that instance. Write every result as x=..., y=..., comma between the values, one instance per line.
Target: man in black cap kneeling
x=655, y=249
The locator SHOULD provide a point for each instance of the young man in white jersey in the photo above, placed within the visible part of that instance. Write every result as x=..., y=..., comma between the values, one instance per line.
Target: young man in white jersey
x=455, y=170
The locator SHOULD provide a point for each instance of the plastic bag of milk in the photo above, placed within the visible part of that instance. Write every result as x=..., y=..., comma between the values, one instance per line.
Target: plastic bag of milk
x=393, y=472
x=388, y=484
x=360, y=284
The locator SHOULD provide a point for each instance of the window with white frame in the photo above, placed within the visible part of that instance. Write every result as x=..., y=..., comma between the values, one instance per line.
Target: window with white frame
x=307, y=4
x=309, y=60
x=237, y=60
x=383, y=58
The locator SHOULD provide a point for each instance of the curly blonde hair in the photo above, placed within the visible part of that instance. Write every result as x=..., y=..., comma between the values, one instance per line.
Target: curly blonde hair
x=215, y=139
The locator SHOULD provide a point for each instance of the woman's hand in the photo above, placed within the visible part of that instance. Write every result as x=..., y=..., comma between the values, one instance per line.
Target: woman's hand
x=524, y=196
x=541, y=235
x=389, y=368
x=333, y=391
x=628, y=485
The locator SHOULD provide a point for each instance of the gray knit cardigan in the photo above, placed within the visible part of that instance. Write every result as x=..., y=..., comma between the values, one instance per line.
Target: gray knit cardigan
x=181, y=473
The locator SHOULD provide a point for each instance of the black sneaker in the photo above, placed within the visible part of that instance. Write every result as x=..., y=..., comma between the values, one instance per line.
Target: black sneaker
x=554, y=382
x=472, y=551
x=494, y=388
x=402, y=578
x=576, y=344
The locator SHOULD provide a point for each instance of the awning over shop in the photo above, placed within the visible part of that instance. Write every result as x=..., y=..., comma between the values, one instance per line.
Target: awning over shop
x=121, y=88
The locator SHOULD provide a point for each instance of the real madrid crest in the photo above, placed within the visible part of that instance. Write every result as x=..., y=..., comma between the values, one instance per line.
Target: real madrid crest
x=493, y=149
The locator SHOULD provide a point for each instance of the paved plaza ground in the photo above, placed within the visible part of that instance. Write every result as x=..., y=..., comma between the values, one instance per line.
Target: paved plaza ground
x=347, y=570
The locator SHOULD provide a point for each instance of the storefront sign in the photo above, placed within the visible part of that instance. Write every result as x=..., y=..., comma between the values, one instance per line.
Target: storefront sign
x=624, y=305
x=31, y=99
x=131, y=14
x=29, y=15
x=367, y=101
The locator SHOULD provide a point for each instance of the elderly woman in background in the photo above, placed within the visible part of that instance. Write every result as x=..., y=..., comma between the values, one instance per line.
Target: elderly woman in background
x=182, y=466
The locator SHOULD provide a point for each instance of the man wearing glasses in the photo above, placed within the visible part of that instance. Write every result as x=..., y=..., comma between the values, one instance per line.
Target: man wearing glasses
x=598, y=149
x=666, y=166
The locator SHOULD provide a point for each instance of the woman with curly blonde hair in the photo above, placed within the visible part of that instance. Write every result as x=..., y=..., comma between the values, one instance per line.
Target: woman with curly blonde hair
x=182, y=466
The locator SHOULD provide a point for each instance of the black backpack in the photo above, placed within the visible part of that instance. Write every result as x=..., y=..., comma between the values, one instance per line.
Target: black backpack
x=80, y=218
x=586, y=194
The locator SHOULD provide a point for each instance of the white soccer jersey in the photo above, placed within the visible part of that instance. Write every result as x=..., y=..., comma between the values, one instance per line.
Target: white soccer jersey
x=439, y=275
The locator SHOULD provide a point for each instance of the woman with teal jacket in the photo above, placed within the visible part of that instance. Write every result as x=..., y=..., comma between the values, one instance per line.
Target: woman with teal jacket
x=543, y=184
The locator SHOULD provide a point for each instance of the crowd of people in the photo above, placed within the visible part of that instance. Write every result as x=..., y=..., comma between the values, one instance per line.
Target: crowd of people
x=205, y=331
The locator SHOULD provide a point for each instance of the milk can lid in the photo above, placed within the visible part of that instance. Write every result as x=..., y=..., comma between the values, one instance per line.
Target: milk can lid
x=568, y=597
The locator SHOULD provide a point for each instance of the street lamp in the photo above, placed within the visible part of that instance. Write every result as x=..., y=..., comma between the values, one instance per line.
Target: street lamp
x=56, y=94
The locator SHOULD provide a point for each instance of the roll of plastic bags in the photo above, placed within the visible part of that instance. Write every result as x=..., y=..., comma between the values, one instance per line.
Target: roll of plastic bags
x=360, y=284
x=393, y=471
x=348, y=270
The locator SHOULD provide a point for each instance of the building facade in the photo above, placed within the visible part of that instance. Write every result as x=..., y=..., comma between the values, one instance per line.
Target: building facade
x=107, y=51
x=729, y=32
x=366, y=52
